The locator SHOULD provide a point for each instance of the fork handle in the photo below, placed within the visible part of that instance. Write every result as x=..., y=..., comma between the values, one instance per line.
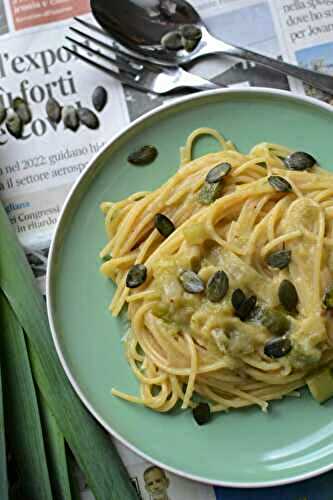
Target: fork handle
x=318, y=80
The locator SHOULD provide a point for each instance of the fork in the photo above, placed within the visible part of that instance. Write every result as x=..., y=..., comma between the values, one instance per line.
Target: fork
x=130, y=70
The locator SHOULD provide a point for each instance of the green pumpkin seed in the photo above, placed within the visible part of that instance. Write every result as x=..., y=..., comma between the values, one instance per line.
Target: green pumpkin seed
x=143, y=156
x=237, y=298
x=164, y=225
x=217, y=286
x=136, y=276
x=288, y=295
x=245, y=310
x=202, y=413
x=328, y=298
x=299, y=161
x=277, y=347
x=210, y=192
x=22, y=109
x=279, y=259
x=189, y=45
x=88, y=118
x=172, y=41
x=53, y=110
x=14, y=124
x=191, y=282
x=70, y=118
x=191, y=36
x=106, y=258
x=217, y=173
x=99, y=98
x=275, y=321
x=279, y=184
x=191, y=32
x=3, y=113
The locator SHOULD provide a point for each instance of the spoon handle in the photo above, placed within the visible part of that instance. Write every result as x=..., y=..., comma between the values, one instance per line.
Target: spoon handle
x=318, y=80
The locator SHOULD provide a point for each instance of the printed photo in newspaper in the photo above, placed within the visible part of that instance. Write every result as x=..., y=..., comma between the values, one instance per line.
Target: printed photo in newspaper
x=152, y=482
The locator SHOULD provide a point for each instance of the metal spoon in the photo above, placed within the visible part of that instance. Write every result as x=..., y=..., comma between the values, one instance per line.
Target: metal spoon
x=141, y=25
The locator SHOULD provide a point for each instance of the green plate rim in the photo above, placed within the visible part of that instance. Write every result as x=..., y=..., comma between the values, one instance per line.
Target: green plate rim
x=88, y=171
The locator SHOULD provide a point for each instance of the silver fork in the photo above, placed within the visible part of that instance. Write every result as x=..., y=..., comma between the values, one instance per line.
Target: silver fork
x=109, y=57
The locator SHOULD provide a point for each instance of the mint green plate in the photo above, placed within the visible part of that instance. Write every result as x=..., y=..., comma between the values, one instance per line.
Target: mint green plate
x=244, y=448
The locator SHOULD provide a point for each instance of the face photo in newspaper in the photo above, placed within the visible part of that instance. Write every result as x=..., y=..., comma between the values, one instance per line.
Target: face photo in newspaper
x=154, y=483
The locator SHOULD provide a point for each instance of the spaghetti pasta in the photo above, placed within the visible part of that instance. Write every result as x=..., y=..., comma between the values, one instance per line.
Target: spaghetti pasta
x=183, y=346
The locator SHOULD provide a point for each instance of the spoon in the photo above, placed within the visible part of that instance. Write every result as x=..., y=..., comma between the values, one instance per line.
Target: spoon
x=171, y=32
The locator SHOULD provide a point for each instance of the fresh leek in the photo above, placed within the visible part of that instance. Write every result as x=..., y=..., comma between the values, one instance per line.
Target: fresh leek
x=91, y=446
x=24, y=425
x=56, y=454
x=3, y=461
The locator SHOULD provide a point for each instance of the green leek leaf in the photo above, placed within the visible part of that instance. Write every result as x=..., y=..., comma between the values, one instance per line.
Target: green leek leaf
x=55, y=452
x=75, y=476
x=22, y=414
x=3, y=458
x=91, y=446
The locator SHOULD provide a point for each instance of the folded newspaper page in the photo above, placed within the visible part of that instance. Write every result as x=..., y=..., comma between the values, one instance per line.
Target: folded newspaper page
x=40, y=163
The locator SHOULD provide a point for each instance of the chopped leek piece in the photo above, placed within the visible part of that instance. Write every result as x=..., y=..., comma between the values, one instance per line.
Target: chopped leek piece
x=321, y=385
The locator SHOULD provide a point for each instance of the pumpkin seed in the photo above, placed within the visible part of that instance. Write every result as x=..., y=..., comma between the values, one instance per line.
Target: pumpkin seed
x=172, y=41
x=191, y=282
x=88, y=118
x=279, y=183
x=99, y=98
x=22, y=109
x=164, y=225
x=210, y=192
x=217, y=286
x=237, y=298
x=243, y=312
x=328, y=298
x=191, y=36
x=70, y=118
x=143, y=155
x=217, y=173
x=136, y=276
x=288, y=295
x=278, y=347
x=14, y=124
x=106, y=258
x=191, y=32
x=262, y=164
x=299, y=161
x=202, y=413
x=3, y=113
x=275, y=321
x=53, y=110
x=189, y=45
x=279, y=259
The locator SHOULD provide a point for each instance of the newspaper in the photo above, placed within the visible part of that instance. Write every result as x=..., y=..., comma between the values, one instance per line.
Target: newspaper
x=37, y=171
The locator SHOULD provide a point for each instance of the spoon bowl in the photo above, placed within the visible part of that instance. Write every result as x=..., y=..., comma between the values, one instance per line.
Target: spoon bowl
x=141, y=25
x=171, y=32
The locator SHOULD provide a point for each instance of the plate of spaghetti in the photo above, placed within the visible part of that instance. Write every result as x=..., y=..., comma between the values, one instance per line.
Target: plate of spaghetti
x=190, y=287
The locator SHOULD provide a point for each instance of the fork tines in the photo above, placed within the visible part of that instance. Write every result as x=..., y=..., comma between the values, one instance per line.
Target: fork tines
x=92, y=45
